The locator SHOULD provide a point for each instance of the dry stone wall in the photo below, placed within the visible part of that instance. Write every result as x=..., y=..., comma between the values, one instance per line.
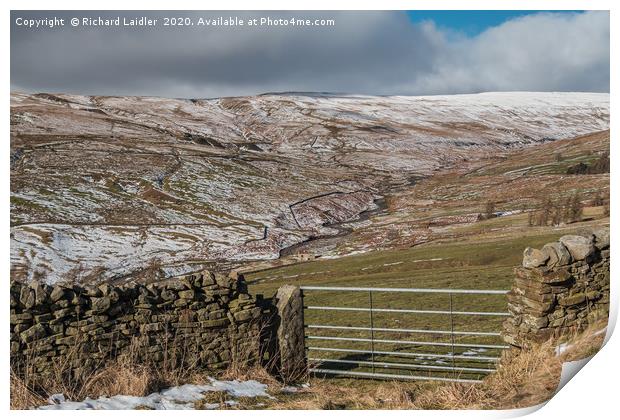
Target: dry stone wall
x=560, y=288
x=204, y=320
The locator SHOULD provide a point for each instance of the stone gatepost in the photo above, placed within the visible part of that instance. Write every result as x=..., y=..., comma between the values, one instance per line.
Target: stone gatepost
x=562, y=287
x=290, y=332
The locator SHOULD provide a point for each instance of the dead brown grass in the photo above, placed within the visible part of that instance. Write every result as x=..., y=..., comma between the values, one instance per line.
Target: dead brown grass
x=22, y=396
x=121, y=377
x=126, y=374
x=524, y=378
x=585, y=344
x=330, y=394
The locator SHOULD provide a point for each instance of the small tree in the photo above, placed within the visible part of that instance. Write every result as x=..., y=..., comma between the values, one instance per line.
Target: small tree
x=489, y=210
x=598, y=200
x=576, y=208
x=566, y=210
x=601, y=165
x=558, y=213
x=545, y=212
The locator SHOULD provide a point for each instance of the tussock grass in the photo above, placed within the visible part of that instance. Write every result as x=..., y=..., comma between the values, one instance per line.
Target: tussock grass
x=126, y=374
x=523, y=378
x=121, y=377
x=22, y=395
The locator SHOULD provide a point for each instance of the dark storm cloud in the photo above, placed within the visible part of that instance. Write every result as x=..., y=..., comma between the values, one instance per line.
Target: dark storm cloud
x=365, y=52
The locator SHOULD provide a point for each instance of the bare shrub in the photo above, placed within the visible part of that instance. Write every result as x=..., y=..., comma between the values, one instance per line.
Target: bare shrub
x=552, y=213
x=489, y=210
x=598, y=201
x=575, y=208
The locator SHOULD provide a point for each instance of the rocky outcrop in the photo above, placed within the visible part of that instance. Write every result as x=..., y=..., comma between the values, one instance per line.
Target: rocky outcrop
x=560, y=288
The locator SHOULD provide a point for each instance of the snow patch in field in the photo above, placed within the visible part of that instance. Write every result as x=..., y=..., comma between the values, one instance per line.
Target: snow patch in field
x=181, y=397
x=394, y=263
x=564, y=347
x=428, y=259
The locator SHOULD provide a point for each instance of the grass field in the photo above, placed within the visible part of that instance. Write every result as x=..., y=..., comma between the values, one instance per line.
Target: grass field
x=483, y=258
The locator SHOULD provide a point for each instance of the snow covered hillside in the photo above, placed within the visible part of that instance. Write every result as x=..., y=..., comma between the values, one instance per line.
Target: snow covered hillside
x=109, y=186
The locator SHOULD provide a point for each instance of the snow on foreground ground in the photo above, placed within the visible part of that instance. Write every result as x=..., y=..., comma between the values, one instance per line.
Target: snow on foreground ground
x=181, y=397
x=186, y=397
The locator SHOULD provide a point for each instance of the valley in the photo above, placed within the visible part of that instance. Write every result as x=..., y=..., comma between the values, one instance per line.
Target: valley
x=115, y=188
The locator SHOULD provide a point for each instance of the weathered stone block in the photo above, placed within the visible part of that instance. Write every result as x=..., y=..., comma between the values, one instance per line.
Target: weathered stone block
x=244, y=315
x=187, y=294
x=180, y=303
x=22, y=318
x=290, y=332
x=58, y=292
x=36, y=332
x=18, y=328
x=534, y=258
x=575, y=299
x=558, y=254
x=223, y=281
x=100, y=305
x=168, y=295
x=601, y=238
x=579, y=247
x=558, y=276
x=207, y=279
x=535, y=322
x=43, y=318
x=215, y=323
x=63, y=313
x=92, y=291
x=26, y=297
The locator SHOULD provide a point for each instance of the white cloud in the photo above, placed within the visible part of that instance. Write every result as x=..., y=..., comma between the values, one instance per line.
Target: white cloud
x=366, y=52
x=542, y=52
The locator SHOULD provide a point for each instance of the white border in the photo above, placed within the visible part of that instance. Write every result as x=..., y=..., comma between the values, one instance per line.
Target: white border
x=592, y=394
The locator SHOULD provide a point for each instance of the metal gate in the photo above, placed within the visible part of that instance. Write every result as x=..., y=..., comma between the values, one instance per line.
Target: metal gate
x=362, y=345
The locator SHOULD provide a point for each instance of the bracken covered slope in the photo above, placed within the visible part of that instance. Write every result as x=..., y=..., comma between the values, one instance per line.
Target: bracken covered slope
x=110, y=186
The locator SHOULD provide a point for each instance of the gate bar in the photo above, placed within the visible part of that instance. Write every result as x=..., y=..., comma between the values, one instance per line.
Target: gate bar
x=386, y=289
x=372, y=331
x=403, y=330
x=405, y=311
x=390, y=376
x=402, y=365
x=396, y=353
x=418, y=343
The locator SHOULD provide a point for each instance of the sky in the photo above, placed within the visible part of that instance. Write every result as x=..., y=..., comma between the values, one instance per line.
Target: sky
x=469, y=22
x=374, y=53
